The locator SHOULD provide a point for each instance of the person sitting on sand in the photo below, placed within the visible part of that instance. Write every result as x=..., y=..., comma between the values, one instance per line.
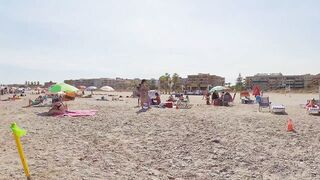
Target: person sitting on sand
x=311, y=104
x=58, y=108
x=37, y=101
x=56, y=98
x=14, y=97
x=157, y=100
x=214, y=98
x=171, y=98
x=187, y=98
x=181, y=98
x=207, y=98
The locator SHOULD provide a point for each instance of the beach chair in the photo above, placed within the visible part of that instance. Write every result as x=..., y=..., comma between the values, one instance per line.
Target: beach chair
x=313, y=110
x=264, y=103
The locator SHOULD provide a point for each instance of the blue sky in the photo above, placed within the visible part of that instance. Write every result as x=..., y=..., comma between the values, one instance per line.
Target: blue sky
x=56, y=40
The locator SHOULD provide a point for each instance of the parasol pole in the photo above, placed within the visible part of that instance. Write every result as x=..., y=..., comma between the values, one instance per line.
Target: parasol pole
x=17, y=133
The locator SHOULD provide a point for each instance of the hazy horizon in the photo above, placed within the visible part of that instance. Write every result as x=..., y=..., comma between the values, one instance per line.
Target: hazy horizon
x=58, y=40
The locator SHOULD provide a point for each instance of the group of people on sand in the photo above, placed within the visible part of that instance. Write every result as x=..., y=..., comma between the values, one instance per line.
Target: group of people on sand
x=57, y=107
x=218, y=100
x=312, y=104
x=180, y=97
x=145, y=101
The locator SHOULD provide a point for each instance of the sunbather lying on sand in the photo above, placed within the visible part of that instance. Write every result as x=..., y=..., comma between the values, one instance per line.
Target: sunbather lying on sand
x=13, y=98
x=102, y=99
x=87, y=96
x=37, y=101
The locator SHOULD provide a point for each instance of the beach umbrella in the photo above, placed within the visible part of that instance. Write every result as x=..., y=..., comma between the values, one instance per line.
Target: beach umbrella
x=91, y=88
x=107, y=88
x=62, y=87
x=219, y=89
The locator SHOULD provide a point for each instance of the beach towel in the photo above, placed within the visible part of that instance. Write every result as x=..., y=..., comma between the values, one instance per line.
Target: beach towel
x=78, y=113
x=43, y=105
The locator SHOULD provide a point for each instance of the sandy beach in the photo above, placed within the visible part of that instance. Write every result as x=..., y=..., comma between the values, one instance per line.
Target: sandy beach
x=204, y=142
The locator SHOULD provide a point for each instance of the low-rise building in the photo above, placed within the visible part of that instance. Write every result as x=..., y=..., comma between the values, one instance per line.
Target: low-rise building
x=203, y=81
x=48, y=84
x=81, y=82
x=277, y=80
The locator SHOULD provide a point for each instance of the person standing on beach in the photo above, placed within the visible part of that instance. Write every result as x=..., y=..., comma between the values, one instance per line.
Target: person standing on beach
x=143, y=93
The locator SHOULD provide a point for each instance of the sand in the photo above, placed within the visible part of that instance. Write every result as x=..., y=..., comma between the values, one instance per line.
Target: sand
x=204, y=142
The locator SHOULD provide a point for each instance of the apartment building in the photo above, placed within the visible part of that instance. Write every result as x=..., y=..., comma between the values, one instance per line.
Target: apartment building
x=278, y=80
x=203, y=81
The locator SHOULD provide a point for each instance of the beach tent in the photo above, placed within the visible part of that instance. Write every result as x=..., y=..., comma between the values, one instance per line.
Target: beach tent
x=62, y=87
x=256, y=91
x=219, y=89
x=107, y=88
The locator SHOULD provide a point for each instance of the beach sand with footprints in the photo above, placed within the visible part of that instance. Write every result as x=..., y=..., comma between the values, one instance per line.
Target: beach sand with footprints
x=204, y=142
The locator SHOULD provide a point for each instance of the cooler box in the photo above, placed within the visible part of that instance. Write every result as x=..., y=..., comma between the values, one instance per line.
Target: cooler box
x=169, y=105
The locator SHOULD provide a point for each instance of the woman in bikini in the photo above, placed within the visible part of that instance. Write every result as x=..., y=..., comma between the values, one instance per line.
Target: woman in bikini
x=144, y=93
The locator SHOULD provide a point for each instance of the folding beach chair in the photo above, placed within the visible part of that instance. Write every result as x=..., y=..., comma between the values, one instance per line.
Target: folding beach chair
x=313, y=110
x=264, y=103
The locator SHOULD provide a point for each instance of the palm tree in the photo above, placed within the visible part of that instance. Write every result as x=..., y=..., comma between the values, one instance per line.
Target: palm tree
x=168, y=82
x=175, y=81
x=162, y=81
x=165, y=81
